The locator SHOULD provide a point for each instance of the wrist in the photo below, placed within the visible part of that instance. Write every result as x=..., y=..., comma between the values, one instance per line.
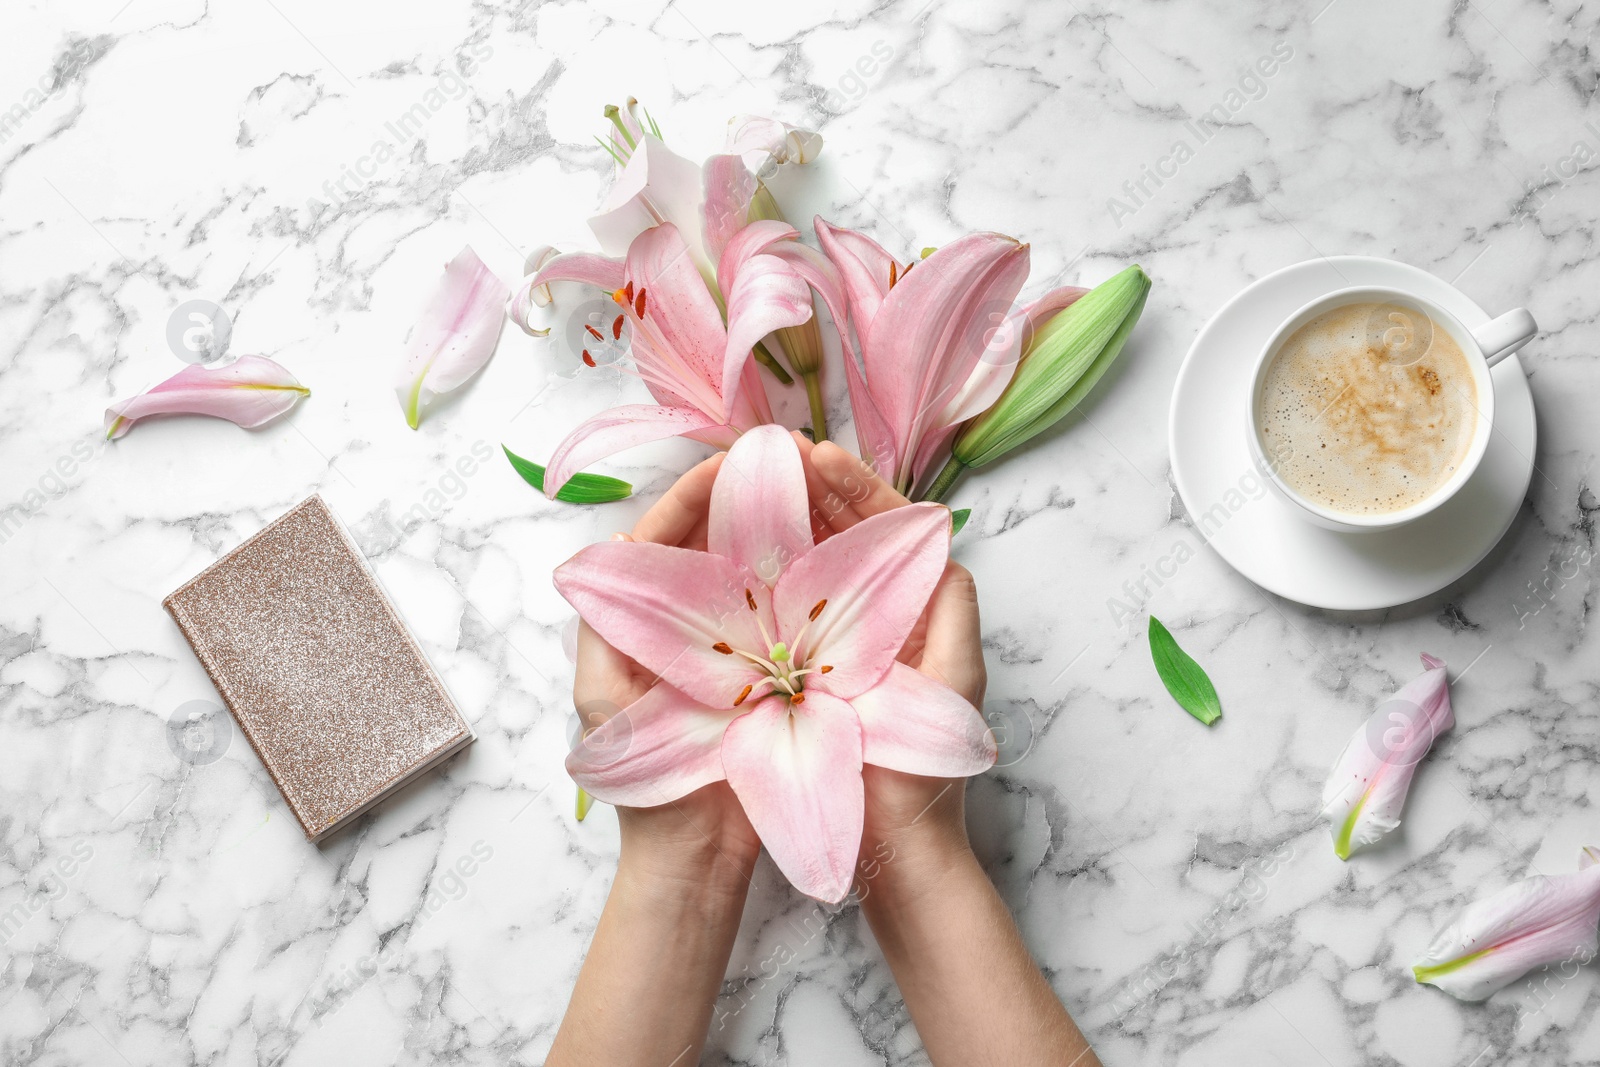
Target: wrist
x=914, y=863
x=702, y=868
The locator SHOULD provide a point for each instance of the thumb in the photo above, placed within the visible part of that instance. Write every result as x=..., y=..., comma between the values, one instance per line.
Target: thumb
x=953, y=652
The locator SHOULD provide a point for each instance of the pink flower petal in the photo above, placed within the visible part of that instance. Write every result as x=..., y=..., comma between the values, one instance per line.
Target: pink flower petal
x=797, y=772
x=1040, y=311
x=876, y=577
x=668, y=608
x=844, y=278
x=455, y=337
x=603, y=272
x=911, y=723
x=931, y=331
x=1493, y=942
x=765, y=142
x=250, y=391
x=759, y=509
x=729, y=189
x=656, y=186
x=1366, y=790
x=544, y=267
x=747, y=242
x=995, y=369
x=766, y=295
x=683, y=338
x=864, y=267
x=658, y=749
x=624, y=427
x=1002, y=351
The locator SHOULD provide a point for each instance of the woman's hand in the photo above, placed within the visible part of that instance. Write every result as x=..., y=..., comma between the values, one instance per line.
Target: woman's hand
x=974, y=993
x=707, y=828
x=906, y=811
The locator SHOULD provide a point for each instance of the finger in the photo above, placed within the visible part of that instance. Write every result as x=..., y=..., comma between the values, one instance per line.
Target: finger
x=816, y=491
x=852, y=480
x=952, y=648
x=606, y=682
x=684, y=507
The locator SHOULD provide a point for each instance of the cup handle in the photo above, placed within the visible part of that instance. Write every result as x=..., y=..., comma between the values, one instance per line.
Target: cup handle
x=1504, y=335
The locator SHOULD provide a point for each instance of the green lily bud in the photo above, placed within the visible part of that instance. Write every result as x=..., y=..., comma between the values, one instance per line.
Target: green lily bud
x=1064, y=360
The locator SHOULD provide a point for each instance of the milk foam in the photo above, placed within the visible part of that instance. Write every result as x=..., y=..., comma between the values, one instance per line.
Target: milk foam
x=1352, y=428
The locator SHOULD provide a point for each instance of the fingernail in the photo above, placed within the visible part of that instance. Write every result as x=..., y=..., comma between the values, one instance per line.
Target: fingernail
x=619, y=537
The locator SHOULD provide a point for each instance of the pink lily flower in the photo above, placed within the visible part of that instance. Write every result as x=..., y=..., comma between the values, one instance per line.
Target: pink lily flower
x=1532, y=923
x=777, y=660
x=1366, y=790
x=937, y=340
x=251, y=391
x=696, y=367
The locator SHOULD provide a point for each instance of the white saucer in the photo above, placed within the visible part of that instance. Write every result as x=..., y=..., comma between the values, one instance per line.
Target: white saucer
x=1263, y=537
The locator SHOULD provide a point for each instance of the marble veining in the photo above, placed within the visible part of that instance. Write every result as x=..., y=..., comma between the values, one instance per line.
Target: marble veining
x=309, y=168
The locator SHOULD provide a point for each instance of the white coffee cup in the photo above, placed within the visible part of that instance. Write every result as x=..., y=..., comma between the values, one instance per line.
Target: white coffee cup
x=1483, y=348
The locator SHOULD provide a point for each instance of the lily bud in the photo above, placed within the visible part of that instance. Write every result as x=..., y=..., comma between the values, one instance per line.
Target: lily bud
x=1059, y=366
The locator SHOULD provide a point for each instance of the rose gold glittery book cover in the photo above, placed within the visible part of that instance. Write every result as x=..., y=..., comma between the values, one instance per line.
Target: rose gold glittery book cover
x=317, y=668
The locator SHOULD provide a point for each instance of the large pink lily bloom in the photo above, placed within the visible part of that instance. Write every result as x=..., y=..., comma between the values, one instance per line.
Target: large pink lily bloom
x=700, y=285
x=777, y=663
x=693, y=363
x=937, y=340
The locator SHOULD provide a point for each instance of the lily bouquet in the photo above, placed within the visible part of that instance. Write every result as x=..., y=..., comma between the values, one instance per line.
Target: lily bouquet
x=775, y=655
x=714, y=293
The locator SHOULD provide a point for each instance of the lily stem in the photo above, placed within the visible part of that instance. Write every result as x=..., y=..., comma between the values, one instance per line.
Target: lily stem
x=947, y=477
x=819, y=416
x=766, y=359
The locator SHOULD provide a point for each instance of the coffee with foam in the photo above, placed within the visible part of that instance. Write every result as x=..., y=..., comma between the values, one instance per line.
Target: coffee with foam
x=1368, y=409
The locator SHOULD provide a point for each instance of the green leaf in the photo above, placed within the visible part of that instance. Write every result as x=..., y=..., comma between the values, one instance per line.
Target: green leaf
x=580, y=489
x=1182, y=676
x=584, y=803
x=959, y=519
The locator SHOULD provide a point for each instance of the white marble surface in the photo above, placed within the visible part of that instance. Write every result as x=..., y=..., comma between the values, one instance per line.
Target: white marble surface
x=164, y=912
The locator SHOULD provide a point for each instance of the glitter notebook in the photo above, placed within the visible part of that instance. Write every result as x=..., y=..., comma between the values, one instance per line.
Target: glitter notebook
x=318, y=669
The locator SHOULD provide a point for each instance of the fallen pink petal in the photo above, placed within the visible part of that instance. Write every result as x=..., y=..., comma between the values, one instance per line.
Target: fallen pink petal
x=251, y=391
x=1536, y=922
x=455, y=337
x=1367, y=787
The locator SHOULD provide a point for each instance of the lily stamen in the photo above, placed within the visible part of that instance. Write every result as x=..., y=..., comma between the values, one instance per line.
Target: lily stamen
x=742, y=695
x=616, y=328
